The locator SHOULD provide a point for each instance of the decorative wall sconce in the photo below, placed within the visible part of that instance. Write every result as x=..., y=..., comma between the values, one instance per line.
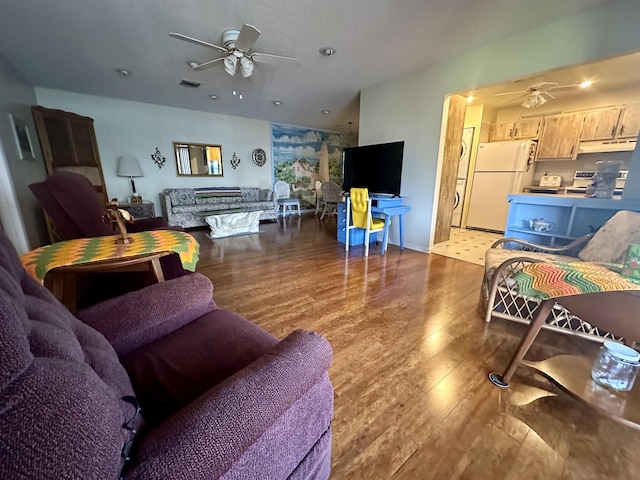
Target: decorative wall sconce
x=235, y=161
x=158, y=158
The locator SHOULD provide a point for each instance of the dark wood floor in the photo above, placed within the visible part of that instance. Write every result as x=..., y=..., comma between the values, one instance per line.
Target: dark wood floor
x=412, y=354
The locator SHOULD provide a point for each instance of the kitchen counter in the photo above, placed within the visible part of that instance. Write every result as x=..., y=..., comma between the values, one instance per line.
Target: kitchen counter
x=571, y=216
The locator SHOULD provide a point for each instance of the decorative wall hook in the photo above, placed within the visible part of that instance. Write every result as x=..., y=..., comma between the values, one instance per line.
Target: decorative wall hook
x=158, y=158
x=235, y=161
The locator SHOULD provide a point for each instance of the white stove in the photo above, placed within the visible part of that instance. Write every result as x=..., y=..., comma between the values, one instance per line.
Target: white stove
x=583, y=178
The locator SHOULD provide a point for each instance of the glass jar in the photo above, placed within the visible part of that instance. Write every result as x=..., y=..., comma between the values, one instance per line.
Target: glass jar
x=616, y=367
x=604, y=179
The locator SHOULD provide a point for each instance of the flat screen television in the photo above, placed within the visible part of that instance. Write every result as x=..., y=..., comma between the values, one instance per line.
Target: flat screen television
x=376, y=167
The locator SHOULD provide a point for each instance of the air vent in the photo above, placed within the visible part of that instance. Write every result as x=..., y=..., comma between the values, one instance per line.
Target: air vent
x=189, y=83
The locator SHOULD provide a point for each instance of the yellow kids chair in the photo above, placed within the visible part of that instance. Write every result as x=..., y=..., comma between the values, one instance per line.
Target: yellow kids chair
x=359, y=216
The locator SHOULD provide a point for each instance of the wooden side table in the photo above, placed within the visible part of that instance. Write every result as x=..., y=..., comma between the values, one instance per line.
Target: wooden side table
x=62, y=281
x=139, y=210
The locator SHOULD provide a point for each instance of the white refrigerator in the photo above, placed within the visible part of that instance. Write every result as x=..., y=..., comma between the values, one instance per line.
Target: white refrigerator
x=501, y=168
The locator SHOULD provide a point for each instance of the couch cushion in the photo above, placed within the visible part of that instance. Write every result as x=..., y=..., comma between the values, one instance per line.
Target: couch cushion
x=61, y=386
x=265, y=195
x=172, y=371
x=611, y=241
x=182, y=196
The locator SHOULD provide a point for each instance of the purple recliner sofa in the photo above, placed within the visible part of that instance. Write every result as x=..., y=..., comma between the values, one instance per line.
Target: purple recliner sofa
x=156, y=384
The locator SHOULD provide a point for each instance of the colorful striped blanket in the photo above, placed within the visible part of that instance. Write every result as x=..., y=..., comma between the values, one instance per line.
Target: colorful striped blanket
x=545, y=280
x=207, y=192
x=85, y=250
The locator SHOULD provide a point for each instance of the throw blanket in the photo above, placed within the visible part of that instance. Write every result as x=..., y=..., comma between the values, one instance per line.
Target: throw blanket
x=551, y=280
x=205, y=192
x=85, y=250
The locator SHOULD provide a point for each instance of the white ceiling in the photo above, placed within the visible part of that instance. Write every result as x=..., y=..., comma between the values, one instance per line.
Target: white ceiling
x=76, y=45
x=607, y=76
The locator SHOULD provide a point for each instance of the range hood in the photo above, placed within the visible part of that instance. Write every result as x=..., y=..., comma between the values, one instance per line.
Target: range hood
x=607, y=146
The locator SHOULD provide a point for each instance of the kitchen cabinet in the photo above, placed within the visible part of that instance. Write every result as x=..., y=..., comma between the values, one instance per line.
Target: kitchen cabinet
x=572, y=217
x=69, y=143
x=526, y=128
x=629, y=126
x=600, y=124
x=500, y=132
x=560, y=136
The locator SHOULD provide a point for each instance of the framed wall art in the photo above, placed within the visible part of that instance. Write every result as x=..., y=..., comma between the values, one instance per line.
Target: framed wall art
x=22, y=138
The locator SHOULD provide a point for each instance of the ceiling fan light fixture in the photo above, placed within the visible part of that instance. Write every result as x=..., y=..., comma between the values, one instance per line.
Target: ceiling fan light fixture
x=246, y=67
x=534, y=100
x=230, y=62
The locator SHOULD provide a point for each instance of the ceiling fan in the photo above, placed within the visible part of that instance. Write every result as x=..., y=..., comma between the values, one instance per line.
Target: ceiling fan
x=538, y=93
x=237, y=50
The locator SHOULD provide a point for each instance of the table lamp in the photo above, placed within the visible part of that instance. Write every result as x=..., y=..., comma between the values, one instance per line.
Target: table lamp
x=128, y=166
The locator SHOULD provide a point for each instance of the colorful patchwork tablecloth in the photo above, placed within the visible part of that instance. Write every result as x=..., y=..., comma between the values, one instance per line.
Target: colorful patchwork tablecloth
x=545, y=280
x=86, y=250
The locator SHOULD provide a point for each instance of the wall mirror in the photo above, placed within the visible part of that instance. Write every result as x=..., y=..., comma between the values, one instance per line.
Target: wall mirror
x=198, y=159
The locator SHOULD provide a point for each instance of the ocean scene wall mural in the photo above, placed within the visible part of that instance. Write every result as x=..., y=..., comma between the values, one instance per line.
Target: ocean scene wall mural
x=301, y=156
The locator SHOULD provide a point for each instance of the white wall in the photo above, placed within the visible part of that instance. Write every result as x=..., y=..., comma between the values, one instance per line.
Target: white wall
x=124, y=127
x=410, y=108
x=20, y=213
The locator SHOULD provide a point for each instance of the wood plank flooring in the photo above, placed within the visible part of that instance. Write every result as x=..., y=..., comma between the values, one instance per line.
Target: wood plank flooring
x=411, y=358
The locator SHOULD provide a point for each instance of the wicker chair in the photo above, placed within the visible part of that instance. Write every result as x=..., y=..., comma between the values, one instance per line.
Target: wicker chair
x=509, y=255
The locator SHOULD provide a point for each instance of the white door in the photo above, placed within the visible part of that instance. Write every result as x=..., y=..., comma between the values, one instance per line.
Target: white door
x=488, y=207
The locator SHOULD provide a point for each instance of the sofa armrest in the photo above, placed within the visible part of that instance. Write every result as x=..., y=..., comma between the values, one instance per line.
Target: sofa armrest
x=139, y=317
x=258, y=423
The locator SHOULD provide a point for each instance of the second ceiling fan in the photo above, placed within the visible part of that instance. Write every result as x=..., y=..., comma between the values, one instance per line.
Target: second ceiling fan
x=237, y=51
x=538, y=93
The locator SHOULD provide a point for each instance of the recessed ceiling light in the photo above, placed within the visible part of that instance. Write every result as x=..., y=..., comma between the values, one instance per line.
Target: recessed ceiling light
x=325, y=112
x=213, y=97
x=327, y=51
x=586, y=84
x=470, y=99
x=277, y=103
x=123, y=72
x=193, y=64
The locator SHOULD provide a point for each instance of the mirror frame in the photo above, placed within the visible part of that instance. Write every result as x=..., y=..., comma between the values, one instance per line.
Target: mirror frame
x=177, y=145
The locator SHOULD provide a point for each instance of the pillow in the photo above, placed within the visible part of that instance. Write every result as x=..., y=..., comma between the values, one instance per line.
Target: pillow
x=266, y=195
x=611, y=242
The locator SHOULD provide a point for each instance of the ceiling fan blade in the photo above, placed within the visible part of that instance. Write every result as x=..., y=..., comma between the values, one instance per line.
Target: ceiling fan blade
x=195, y=41
x=274, y=59
x=209, y=64
x=548, y=94
x=541, y=84
x=510, y=93
x=247, y=37
x=565, y=86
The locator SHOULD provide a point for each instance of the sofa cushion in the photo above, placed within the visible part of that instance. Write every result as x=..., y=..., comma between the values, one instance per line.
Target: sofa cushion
x=172, y=371
x=611, y=241
x=62, y=387
x=182, y=196
x=265, y=195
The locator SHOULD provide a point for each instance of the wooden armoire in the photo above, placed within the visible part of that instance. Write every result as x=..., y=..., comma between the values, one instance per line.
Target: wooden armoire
x=68, y=143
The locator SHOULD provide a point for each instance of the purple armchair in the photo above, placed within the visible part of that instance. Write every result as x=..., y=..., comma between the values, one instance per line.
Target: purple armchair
x=75, y=210
x=219, y=396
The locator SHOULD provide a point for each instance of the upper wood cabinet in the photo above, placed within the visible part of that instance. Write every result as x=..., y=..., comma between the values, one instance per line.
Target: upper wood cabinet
x=559, y=137
x=68, y=143
x=600, y=124
x=526, y=128
x=523, y=128
x=629, y=126
x=500, y=132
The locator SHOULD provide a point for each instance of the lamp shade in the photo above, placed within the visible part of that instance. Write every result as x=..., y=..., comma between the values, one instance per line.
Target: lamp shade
x=230, y=62
x=128, y=166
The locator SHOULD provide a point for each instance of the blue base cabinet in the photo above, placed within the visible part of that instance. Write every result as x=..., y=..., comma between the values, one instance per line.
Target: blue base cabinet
x=572, y=217
x=356, y=236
